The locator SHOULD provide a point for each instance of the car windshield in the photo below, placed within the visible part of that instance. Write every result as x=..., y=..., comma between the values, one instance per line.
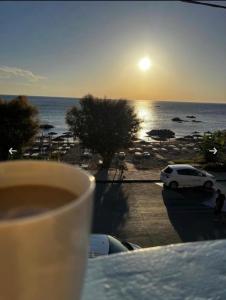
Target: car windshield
x=168, y=170
x=202, y=171
x=115, y=246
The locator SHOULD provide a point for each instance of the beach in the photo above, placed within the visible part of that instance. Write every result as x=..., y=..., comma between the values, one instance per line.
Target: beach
x=189, y=121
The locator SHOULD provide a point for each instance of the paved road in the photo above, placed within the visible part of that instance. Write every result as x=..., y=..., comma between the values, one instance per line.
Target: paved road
x=147, y=215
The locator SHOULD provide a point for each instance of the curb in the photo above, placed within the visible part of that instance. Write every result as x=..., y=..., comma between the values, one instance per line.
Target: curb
x=139, y=181
x=128, y=181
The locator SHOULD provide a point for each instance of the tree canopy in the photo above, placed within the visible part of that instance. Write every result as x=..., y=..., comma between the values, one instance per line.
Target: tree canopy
x=103, y=125
x=18, y=125
x=216, y=139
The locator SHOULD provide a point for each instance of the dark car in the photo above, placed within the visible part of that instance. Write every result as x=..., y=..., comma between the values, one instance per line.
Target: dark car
x=103, y=244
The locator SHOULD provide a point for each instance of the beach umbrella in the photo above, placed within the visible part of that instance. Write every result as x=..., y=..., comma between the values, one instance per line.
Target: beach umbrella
x=52, y=133
x=68, y=133
x=208, y=132
x=46, y=126
x=59, y=138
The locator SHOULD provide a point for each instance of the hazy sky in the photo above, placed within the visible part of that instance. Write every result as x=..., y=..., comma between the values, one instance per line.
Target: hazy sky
x=75, y=48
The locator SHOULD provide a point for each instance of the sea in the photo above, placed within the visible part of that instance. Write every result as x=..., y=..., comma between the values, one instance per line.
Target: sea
x=154, y=114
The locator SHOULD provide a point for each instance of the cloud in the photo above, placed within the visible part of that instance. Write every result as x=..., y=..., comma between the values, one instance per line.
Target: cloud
x=11, y=72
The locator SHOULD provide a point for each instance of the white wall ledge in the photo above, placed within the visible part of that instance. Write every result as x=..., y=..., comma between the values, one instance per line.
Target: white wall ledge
x=191, y=271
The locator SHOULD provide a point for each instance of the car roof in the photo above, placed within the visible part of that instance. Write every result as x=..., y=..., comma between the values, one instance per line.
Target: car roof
x=181, y=166
x=99, y=245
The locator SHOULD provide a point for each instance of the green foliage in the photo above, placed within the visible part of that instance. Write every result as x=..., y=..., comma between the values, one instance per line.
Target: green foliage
x=215, y=167
x=104, y=126
x=195, y=160
x=209, y=141
x=18, y=125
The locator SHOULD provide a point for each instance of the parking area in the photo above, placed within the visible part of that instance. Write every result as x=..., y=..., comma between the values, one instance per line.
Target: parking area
x=145, y=214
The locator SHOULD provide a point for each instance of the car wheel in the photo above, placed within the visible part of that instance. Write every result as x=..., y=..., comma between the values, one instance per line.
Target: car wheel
x=173, y=185
x=208, y=185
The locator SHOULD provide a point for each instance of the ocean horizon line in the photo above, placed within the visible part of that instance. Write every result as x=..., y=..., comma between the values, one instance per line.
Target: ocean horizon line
x=78, y=98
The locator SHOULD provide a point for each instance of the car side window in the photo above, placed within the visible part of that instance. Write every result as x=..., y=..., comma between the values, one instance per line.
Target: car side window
x=183, y=172
x=195, y=173
x=189, y=172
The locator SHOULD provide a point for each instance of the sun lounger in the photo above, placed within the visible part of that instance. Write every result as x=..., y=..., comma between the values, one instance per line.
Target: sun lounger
x=137, y=155
x=190, y=145
x=84, y=166
x=159, y=156
x=35, y=154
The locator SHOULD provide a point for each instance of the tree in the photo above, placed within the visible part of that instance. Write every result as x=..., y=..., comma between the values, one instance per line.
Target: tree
x=104, y=126
x=161, y=134
x=18, y=125
x=209, y=141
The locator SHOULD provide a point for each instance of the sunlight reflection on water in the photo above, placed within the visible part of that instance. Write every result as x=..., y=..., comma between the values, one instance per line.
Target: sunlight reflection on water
x=146, y=112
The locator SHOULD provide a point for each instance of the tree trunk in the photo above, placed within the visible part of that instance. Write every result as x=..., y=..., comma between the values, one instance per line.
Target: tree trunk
x=107, y=161
x=4, y=154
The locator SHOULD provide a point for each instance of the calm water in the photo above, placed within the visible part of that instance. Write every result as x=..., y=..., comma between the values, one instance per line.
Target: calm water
x=155, y=115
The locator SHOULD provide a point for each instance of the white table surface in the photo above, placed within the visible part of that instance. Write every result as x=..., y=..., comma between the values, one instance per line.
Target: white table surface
x=191, y=271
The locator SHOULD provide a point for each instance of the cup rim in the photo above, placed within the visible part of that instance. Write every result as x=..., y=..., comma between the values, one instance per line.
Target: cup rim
x=55, y=211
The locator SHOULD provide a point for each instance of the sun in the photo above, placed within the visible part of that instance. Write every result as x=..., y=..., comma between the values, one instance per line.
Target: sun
x=144, y=64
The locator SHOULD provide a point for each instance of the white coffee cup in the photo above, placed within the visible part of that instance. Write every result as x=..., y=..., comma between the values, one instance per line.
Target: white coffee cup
x=43, y=256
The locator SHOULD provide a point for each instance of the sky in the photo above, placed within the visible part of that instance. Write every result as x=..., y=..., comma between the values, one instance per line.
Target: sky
x=70, y=49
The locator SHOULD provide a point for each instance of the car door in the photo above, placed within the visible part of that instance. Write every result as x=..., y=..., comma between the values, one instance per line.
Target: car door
x=195, y=177
x=183, y=177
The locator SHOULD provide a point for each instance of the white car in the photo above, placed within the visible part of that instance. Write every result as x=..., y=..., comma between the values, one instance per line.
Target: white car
x=121, y=155
x=86, y=154
x=176, y=176
x=146, y=154
x=103, y=244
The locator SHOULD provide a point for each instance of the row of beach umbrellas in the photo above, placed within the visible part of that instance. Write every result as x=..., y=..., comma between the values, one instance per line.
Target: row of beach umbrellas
x=47, y=127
